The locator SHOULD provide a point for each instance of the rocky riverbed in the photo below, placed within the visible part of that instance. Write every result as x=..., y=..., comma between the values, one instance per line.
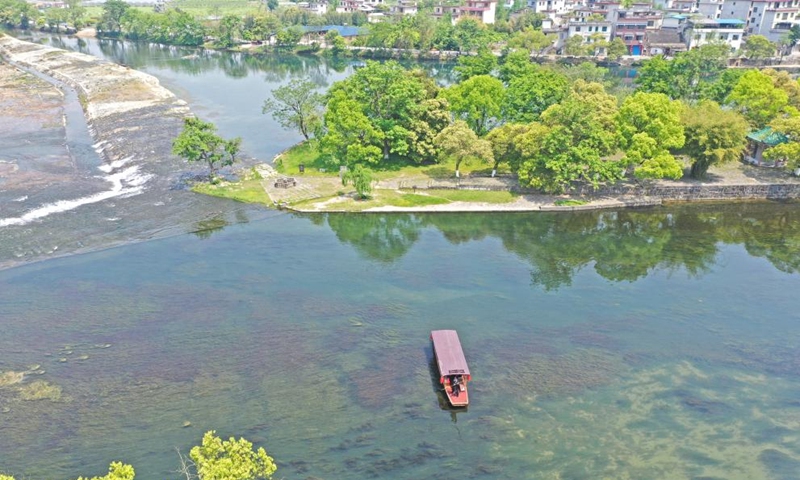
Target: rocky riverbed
x=69, y=184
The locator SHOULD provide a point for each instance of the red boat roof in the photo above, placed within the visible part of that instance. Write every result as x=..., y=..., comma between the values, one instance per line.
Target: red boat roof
x=448, y=353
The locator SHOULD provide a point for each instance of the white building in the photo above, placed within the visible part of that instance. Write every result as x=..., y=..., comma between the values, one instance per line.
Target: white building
x=483, y=10
x=404, y=7
x=711, y=9
x=768, y=18
x=704, y=31
x=550, y=8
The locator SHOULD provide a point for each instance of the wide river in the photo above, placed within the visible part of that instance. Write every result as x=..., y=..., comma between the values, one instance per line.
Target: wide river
x=631, y=344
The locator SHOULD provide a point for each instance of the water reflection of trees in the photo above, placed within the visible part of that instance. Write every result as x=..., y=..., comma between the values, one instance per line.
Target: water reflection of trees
x=624, y=245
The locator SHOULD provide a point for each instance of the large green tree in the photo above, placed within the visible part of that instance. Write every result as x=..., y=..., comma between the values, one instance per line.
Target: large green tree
x=390, y=97
x=527, y=96
x=757, y=98
x=361, y=178
x=649, y=125
x=483, y=63
x=218, y=459
x=713, y=136
x=199, y=142
x=512, y=143
x=296, y=105
x=478, y=101
x=581, y=136
x=758, y=48
x=111, y=19
x=458, y=143
x=351, y=137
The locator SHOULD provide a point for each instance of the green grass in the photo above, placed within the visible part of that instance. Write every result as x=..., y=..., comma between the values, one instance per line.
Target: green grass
x=474, y=195
x=570, y=202
x=308, y=154
x=247, y=190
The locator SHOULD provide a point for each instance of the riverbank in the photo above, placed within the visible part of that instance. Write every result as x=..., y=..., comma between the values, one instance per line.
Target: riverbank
x=121, y=185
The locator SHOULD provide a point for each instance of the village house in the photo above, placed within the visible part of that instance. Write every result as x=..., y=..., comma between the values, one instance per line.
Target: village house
x=761, y=17
x=704, y=31
x=483, y=10
x=758, y=142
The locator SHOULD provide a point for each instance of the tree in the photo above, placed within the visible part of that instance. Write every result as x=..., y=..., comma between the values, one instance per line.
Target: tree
x=228, y=30
x=198, y=142
x=117, y=471
x=529, y=95
x=758, y=48
x=574, y=46
x=459, y=143
x=694, y=68
x=272, y=5
x=390, y=98
x=514, y=142
x=289, y=37
x=756, y=96
x=75, y=12
x=789, y=151
x=713, y=136
x=580, y=133
x=231, y=459
x=111, y=20
x=616, y=48
x=533, y=41
x=361, y=178
x=794, y=34
x=484, y=63
x=656, y=76
x=335, y=41
x=478, y=101
x=514, y=64
x=649, y=125
x=296, y=105
x=351, y=138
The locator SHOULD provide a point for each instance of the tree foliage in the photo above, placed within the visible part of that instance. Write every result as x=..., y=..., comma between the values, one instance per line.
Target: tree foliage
x=484, y=63
x=361, y=178
x=117, y=471
x=296, y=105
x=231, y=459
x=531, y=94
x=713, y=136
x=581, y=135
x=198, y=142
x=788, y=152
x=757, y=98
x=478, y=101
x=758, y=47
x=459, y=143
x=649, y=125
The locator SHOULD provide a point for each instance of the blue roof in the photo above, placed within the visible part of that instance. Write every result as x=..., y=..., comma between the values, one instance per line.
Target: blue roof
x=345, y=31
x=730, y=21
x=679, y=17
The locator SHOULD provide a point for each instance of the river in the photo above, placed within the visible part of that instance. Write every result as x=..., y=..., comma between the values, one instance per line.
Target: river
x=642, y=344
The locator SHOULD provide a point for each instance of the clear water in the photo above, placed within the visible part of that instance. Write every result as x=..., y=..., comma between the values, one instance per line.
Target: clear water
x=631, y=344
x=638, y=344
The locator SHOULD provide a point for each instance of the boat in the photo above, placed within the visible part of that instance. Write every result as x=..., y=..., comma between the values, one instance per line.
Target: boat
x=453, y=370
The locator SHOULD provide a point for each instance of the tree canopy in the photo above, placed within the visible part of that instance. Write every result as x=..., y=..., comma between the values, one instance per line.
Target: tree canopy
x=713, y=135
x=218, y=459
x=478, y=101
x=296, y=105
x=198, y=142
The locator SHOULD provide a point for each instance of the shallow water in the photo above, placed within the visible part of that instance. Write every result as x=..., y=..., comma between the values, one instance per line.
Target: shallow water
x=631, y=344
x=640, y=344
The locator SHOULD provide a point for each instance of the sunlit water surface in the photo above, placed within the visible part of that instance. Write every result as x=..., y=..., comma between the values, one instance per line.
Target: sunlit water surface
x=617, y=344
x=658, y=344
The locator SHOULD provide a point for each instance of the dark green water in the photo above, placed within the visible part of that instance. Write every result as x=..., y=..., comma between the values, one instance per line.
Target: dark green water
x=631, y=344
x=638, y=344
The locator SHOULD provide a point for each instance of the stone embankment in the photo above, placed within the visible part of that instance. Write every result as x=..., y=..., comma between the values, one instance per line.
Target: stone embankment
x=128, y=112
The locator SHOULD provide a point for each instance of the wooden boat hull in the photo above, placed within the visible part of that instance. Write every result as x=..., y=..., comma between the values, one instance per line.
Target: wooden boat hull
x=452, y=366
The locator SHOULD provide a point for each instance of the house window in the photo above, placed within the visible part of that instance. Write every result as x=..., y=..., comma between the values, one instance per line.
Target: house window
x=577, y=29
x=755, y=9
x=605, y=29
x=735, y=37
x=650, y=23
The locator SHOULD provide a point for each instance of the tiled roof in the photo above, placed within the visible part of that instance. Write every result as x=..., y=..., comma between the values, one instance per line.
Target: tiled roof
x=768, y=136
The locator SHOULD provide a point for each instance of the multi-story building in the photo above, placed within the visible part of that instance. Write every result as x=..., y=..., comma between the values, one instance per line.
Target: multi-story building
x=704, y=31
x=483, y=10
x=548, y=7
x=771, y=19
x=404, y=7
x=632, y=24
x=711, y=9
